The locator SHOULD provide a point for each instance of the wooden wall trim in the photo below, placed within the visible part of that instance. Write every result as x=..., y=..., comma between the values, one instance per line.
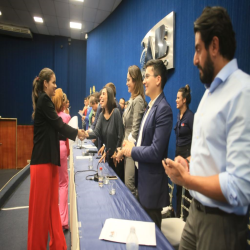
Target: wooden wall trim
x=24, y=144
x=8, y=142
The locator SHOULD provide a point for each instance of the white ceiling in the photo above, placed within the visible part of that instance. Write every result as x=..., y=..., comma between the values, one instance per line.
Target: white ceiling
x=57, y=14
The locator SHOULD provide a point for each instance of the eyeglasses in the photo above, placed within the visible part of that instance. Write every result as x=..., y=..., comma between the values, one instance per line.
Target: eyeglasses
x=147, y=76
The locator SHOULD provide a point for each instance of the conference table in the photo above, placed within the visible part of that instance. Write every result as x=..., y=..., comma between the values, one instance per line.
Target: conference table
x=91, y=205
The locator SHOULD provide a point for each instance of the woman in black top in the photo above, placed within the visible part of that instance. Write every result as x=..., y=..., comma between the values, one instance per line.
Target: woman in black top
x=109, y=129
x=183, y=130
x=44, y=214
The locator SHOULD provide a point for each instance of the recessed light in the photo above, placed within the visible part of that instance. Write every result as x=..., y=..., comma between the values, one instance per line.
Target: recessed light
x=0, y=13
x=80, y=0
x=38, y=19
x=75, y=25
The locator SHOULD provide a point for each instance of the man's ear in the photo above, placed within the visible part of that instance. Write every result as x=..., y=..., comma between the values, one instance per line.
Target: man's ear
x=214, y=46
x=158, y=80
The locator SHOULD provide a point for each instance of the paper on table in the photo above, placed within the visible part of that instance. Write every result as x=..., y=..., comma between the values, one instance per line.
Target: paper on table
x=79, y=157
x=118, y=230
x=89, y=147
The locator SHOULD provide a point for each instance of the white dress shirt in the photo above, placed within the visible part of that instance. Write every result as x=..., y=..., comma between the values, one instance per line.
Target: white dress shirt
x=221, y=139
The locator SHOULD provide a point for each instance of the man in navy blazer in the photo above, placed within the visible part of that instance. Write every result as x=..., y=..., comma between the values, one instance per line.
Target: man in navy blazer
x=152, y=144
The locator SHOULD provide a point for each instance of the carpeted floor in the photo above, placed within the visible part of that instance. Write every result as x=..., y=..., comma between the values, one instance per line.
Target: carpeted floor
x=14, y=220
x=6, y=174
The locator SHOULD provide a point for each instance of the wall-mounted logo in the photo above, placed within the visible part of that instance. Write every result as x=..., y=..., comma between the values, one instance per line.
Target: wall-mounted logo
x=159, y=43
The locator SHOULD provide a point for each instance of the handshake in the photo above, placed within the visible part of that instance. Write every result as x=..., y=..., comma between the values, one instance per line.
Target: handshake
x=82, y=134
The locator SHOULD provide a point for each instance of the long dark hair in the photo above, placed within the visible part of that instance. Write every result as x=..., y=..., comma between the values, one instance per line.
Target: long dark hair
x=110, y=100
x=135, y=73
x=45, y=74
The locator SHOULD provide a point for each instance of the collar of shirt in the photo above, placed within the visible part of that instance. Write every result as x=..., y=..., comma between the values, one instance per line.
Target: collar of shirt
x=151, y=103
x=179, y=115
x=224, y=73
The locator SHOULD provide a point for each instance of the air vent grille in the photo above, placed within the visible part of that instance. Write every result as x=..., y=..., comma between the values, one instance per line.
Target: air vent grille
x=15, y=31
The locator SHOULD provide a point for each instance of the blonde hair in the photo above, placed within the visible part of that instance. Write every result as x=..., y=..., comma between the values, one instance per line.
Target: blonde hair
x=135, y=73
x=44, y=75
x=58, y=100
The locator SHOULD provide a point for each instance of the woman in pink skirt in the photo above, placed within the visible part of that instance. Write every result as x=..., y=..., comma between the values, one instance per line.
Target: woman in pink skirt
x=59, y=101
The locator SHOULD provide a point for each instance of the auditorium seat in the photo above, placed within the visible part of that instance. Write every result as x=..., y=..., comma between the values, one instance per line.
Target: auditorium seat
x=172, y=227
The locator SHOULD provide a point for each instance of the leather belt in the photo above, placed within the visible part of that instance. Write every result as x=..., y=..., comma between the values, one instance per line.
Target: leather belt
x=210, y=210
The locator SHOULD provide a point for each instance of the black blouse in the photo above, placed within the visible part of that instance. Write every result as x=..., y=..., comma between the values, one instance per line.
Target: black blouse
x=47, y=124
x=109, y=131
x=184, y=128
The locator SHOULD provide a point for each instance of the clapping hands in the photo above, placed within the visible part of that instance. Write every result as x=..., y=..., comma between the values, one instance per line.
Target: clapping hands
x=119, y=155
x=177, y=170
x=127, y=148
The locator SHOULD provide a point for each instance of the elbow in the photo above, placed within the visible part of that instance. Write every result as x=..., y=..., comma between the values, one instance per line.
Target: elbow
x=235, y=190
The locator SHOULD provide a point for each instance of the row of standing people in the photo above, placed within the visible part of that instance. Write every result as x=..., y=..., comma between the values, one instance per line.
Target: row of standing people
x=47, y=155
x=150, y=129
x=109, y=129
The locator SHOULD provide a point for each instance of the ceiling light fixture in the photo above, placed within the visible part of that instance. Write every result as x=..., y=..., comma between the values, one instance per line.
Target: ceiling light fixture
x=75, y=25
x=38, y=19
x=80, y=1
x=86, y=36
x=0, y=13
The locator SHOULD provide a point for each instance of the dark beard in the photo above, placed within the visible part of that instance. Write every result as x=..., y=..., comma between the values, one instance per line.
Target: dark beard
x=208, y=71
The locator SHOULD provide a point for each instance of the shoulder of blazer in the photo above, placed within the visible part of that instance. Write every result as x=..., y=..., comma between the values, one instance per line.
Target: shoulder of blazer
x=138, y=99
x=160, y=98
x=43, y=98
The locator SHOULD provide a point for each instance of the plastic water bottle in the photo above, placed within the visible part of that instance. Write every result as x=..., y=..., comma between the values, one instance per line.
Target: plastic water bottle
x=100, y=177
x=132, y=241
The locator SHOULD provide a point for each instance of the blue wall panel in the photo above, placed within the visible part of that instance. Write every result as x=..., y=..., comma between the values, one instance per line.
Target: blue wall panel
x=21, y=61
x=115, y=45
x=61, y=61
x=76, y=84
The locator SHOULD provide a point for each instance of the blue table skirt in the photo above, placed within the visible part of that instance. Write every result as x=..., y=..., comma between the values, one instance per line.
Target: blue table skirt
x=95, y=205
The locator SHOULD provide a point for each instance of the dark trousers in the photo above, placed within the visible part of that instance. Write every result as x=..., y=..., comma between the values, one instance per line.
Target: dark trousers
x=218, y=230
x=155, y=215
x=183, y=151
x=119, y=169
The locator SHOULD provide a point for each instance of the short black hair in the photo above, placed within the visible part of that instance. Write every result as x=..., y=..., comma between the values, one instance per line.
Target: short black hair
x=159, y=70
x=123, y=99
x=215, y=21
x=93, y=99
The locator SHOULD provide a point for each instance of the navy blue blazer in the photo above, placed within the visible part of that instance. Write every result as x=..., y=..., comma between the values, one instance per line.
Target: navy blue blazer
x=152, y=180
